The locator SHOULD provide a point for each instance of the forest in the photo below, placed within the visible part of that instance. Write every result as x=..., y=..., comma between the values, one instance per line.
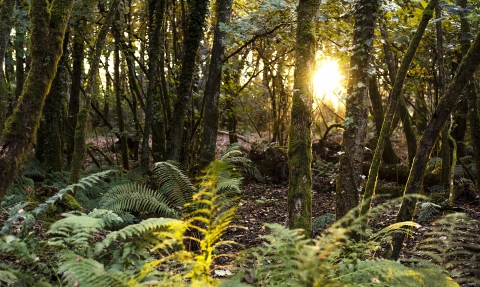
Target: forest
x=239, y=143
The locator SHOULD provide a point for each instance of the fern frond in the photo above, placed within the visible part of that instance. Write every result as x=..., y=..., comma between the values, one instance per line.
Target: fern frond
x=426, y=210
x=136, y=198
x=176, y=227
x=175, y=185
x=452, y=243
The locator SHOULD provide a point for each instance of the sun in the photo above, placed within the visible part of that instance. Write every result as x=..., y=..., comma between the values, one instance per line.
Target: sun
x=327, y=83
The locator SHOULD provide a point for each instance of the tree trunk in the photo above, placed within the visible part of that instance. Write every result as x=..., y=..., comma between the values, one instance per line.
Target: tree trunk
x=48, y=25
x=392, y=106
x=212, y=88
x=118, y=102
x=156, y=11
x=300, y=135
x=472, y=96
x=74, y=102
x=350, y=169
x=6, y=23
x=443, y=111
x=48, y=149
x=191, y=43
x=80, y=149
x=389, y=155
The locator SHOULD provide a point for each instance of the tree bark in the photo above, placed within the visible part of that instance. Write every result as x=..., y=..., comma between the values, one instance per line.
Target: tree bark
x=389, y=155
x=392, y=106
x=300, y=135
x=74, y=102
x=350, y=169
x=48, y=25
x=191, y=43
x=443, y=111
x=212, y=88
x=472, y=96
x=156, y=13
x=6, y=23
x=80, y=149
x=48, y=149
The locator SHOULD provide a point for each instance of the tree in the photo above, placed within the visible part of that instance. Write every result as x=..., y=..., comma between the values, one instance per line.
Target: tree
x=395, y=97
x=6, y=23
x=193, y=36
x=350, y=169
x=49, y=22
x=212, y=88
x=443, y=111
x=300, y=139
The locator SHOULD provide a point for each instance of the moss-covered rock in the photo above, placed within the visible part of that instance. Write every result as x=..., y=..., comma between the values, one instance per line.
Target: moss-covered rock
x=43, y=193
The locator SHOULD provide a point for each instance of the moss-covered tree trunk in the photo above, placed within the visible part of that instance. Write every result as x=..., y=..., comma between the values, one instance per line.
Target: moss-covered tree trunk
x=74, y=102
x=6, y=22
x=80, y=137
x=472, y=96
x=191, y=43
x=350, y=170
x=48, y=149
x=212, y=88
x=300, y=136
x=443, y=111
x=48, y=25
x=392, y=106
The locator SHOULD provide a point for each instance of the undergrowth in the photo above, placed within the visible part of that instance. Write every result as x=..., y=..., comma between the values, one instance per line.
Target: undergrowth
x=138, y=235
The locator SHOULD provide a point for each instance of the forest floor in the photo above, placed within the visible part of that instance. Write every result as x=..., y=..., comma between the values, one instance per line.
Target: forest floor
x=267, y=203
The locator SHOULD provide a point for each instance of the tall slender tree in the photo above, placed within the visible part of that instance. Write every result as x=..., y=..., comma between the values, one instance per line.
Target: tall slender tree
x=441, y=114
x=300, y=143
x=212, y=88
x=191, y=44
x=48, y=25
x=6, y=23
x=353, y=145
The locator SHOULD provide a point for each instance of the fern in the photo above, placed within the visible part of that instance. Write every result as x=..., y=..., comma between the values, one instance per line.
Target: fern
x=235, y=157
x=452, y=244
x=323, y=221
x=18, y=214
x=174, y=183
x=136, y=198
x=18, y=191
x=427, y=210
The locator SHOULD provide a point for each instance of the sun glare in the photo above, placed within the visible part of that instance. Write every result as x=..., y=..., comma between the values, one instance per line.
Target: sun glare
x=327, y=83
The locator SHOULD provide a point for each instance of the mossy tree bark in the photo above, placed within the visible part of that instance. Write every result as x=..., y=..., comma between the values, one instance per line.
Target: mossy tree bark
x=441, y=83
x=48, y=149
x=48, y=25
x=6, y=23
x=300, y=137
x=472, y=96
x=191, y=43
x=392, y=106
x=212, y=88
x=80, y=149
x=156, y=10
x=443, y=111
x=353, y=145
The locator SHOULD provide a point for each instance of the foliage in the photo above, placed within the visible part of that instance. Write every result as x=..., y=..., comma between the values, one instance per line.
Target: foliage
x=452, y=244
x=427, y=210
x=323, y=221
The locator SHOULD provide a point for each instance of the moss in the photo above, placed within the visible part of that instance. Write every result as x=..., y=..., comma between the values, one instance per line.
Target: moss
x=44, y=192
